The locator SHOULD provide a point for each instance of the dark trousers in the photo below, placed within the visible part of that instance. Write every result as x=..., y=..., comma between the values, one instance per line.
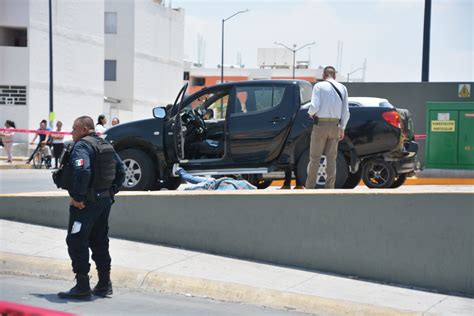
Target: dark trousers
x=288, y=177
x=57, y=151
x=34, y=152
x=89, y=228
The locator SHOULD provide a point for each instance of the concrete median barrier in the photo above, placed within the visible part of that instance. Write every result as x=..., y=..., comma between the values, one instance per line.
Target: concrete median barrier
x=416, y=239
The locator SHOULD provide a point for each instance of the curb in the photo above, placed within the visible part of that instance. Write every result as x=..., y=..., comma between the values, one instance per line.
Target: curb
x=412, y=181
x=157, y=281
x=15, y=166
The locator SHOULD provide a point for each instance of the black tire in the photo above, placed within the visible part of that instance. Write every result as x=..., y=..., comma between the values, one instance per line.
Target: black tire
x=341, y=166
x=139, y=170
x=262, y=184
x=399, y=180
x=378, y=174
x=353, y=180
x=38, y=161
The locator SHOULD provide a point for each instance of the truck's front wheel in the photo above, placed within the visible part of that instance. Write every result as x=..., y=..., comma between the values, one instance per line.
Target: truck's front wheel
x=139, y=170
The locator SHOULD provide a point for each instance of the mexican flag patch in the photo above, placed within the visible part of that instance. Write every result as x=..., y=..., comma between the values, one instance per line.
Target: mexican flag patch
x=79, y=163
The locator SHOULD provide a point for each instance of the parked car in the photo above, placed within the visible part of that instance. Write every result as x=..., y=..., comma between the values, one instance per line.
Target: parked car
x=257, y=130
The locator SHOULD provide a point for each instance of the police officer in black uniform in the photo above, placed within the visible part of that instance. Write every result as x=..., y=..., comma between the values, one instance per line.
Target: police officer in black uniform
x=96, y=173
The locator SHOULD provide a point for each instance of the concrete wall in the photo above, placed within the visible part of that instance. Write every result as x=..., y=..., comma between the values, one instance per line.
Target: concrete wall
x=78, y=39
x=14, y=13
x=120, y=47
x=148, y=47
x=14, y=63
x=412, y=96
x=159, y=47
x=421, y=239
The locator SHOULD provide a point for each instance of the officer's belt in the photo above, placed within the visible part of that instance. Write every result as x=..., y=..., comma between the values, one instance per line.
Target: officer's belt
x=328, y=119
x=92, y=195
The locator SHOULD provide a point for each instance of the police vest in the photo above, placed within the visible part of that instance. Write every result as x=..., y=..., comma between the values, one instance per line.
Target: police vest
x=103, y=166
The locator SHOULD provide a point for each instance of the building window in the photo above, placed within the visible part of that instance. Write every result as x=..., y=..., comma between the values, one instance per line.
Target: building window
x=13, y=36
x=198, y=81
x=110, y=21
x=110, y=70
x=12, y=95
x=186, y=75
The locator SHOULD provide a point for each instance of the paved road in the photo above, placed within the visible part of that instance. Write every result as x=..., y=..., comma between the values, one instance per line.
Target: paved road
x=42, y=293
x=24, y=180
x=32, y=180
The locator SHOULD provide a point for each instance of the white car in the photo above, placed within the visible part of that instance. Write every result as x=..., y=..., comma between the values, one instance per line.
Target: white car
x=369, y=102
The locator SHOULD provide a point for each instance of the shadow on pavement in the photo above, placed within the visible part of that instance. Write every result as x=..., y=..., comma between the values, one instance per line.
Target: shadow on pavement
x=53, y=298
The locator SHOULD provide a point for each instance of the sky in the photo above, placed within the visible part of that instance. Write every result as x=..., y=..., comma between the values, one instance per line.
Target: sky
x=388, y=33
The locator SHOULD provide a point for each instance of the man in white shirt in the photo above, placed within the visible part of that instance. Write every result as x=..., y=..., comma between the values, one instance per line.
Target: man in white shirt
x=329, y=109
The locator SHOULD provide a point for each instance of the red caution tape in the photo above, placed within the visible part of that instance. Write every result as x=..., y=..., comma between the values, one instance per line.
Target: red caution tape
x=14, y=309
x=34, y=131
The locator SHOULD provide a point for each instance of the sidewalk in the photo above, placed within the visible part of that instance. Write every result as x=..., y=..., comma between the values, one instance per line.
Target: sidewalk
x=18, y=163
x=41, y=251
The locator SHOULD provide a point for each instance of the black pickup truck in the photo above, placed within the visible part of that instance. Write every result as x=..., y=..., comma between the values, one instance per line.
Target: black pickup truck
x=258, y=130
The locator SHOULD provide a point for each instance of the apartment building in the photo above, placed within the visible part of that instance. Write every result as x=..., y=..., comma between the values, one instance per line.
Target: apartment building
x=118, y=57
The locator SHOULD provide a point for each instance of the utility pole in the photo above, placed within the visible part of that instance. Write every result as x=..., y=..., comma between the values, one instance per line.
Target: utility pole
x=222, y=48
x=51, y=104
x=425, y=71
x=294, y=50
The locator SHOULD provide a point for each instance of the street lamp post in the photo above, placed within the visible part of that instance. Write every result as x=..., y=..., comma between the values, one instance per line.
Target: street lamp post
x=51, y=104
x=222, y=53
x=222, y=48
x=294, y=50
x=353, y=71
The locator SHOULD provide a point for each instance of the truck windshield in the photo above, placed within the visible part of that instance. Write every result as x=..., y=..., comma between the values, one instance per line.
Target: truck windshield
x=306, y=91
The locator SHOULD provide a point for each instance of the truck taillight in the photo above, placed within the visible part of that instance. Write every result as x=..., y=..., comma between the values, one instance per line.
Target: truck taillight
x=392, y=117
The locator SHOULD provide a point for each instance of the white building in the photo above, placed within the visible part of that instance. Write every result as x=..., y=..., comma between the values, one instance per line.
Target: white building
x=144, y=44
x=146, y=48
x=78, y=39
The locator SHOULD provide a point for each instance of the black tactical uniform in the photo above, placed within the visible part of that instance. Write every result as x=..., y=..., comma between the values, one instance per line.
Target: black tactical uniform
x=97, y=173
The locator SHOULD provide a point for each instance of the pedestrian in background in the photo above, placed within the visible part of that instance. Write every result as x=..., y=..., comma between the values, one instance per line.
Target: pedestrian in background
x=329, y=110
x=7, y=139
x=115, y=121
x=97, y=174
x=58, y=143
x=100, y=126
x=43, y=139
x=287, y=182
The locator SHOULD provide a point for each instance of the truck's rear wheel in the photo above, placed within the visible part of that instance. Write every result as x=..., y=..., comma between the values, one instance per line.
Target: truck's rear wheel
x=399, y=180
x=353, y=180
x=342, y=170
x=378, y=174
x=139, y=170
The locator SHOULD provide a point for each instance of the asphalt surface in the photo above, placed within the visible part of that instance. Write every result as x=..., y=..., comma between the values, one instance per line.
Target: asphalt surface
x=33, y=180
x=26, y=180
x=42, y=293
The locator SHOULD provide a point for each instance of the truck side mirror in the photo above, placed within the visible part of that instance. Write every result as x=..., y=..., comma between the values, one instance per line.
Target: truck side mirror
x=159, y=112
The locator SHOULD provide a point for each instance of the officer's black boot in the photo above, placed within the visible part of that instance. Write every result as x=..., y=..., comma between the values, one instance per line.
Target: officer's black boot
x=104, y=286
x=82, y=290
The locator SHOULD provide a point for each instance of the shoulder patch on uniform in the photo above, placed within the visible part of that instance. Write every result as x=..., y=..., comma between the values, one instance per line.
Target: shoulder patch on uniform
x=78, y=162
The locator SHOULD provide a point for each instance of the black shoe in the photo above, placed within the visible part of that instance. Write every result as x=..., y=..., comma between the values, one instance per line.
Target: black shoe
x=81, y=291
x=103, y=288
